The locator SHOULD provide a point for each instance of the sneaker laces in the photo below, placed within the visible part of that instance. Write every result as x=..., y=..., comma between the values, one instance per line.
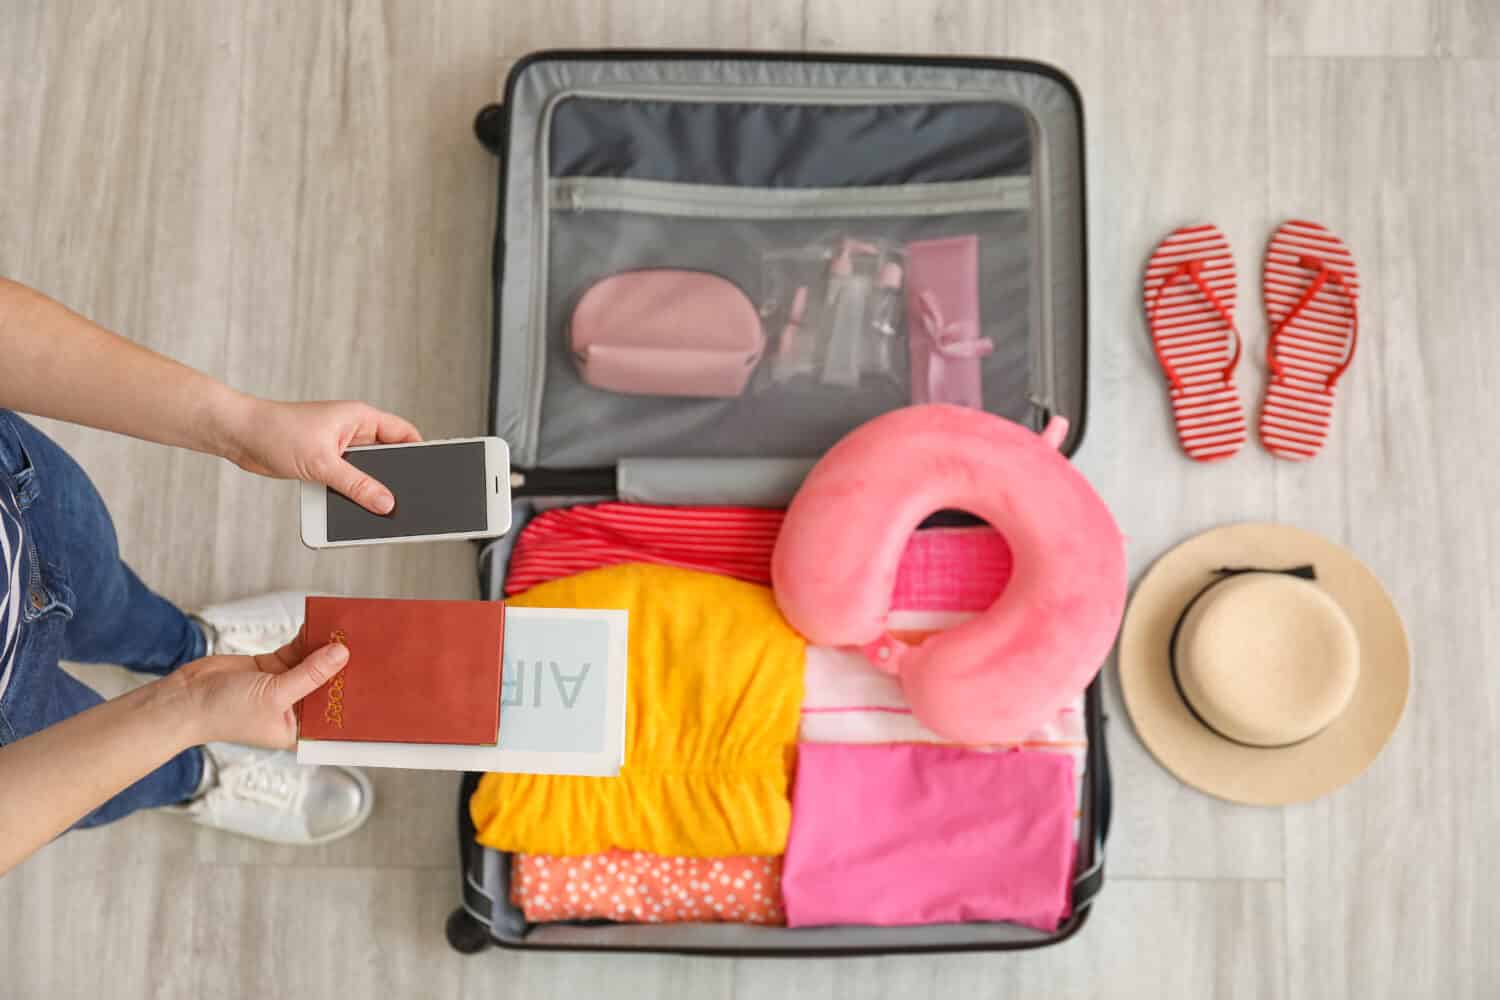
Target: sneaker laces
x=264, y=780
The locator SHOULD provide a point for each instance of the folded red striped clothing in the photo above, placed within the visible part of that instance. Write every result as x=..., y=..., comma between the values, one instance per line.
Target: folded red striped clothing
x=730, y=541
x=948, y=569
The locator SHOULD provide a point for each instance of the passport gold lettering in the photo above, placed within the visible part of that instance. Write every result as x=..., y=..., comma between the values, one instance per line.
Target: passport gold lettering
x=333, y=711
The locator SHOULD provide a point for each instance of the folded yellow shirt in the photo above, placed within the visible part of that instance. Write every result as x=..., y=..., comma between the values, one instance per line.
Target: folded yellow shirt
x=714, y=696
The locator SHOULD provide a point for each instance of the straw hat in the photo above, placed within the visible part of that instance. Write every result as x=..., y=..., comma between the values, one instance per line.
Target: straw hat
x=1263, y=664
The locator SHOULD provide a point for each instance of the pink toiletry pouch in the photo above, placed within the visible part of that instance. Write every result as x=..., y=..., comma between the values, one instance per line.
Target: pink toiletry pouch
x=665, y=332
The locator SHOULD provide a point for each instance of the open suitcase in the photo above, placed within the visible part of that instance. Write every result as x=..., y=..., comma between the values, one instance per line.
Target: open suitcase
x=743, y=165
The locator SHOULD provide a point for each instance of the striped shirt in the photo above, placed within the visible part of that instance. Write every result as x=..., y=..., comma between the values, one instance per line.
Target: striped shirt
x=10, y=584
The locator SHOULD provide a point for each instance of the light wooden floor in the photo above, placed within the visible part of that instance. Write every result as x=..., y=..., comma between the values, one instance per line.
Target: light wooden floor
x=288, y=195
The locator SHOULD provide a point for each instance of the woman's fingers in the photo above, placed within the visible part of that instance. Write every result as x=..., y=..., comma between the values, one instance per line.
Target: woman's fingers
x=296, y=683
x=286, y=657
x=391, y=429
x=378, y=427
x=371, y=426
x=362, y=488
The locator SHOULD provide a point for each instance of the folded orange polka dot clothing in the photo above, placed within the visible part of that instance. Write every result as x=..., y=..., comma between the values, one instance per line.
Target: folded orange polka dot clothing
x=636, y=887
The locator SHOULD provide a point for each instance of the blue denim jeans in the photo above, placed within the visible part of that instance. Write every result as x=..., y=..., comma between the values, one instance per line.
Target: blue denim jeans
x=83, y=604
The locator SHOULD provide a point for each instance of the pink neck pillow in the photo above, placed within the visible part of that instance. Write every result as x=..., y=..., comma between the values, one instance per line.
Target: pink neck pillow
x=1037, y=647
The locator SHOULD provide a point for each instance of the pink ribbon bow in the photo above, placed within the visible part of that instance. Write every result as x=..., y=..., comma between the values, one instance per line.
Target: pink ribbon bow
x=951, y=341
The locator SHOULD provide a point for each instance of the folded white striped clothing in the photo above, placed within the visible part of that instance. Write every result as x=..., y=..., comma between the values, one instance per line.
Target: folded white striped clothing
x=846, y=700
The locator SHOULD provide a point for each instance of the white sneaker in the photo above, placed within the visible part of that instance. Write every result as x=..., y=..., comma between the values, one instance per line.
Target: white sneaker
x=253, y=625
x=266, y=794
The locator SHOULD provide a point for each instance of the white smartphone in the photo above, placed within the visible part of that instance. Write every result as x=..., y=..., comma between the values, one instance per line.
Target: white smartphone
x=459, y=488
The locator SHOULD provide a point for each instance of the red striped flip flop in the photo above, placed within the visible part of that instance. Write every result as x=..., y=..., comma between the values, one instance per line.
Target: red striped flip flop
x=1190, y=292
x=1312, y=305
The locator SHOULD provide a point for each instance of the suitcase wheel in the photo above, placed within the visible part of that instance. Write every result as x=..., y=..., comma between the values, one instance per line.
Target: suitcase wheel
x=465, y=934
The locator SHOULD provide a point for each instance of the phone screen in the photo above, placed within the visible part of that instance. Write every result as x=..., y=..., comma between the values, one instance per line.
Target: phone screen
x=439, y=488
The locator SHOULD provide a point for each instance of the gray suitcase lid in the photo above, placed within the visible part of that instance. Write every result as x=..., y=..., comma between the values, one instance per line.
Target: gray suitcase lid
x=618, y=161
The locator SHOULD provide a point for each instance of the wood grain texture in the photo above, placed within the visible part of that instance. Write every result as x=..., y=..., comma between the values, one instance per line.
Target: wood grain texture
x=121, y=207
x=1344, y=28
x=289, y=196
x=1352, y=28
x=566, y=974
x=306, y=933
x=1471, y=28
x=103, y=913
x=1225, y=944
x=894, y=26
x=1388, y=886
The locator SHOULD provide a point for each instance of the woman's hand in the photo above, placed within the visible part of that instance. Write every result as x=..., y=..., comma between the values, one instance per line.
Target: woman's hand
x=50, y=779
x=249, y=699
x=307, y=441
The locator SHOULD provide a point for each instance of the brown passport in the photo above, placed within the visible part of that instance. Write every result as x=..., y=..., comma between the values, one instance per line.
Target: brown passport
x=418, y=671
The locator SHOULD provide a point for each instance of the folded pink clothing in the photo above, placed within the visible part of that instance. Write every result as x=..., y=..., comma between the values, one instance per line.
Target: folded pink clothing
x=844, y=701
x=944, y=569
x=952, y=569
x=902, y=834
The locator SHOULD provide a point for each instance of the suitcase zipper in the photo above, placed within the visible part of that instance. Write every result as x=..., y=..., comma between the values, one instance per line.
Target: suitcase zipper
x=716, y=201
